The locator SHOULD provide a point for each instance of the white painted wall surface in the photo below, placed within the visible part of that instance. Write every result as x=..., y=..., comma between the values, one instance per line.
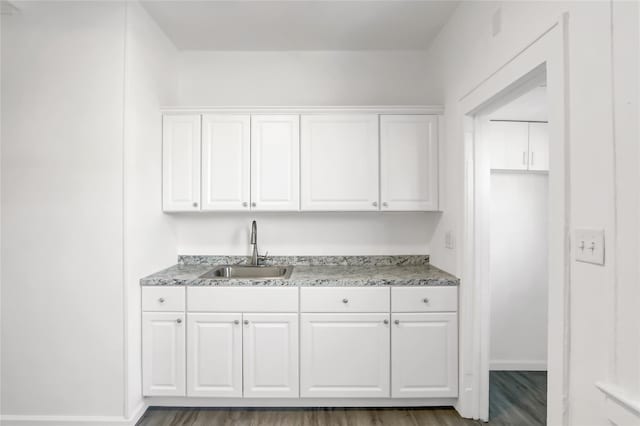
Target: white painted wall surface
x=307, y=233
x=62, y=228
x=468, y=53
x=306, y=78
x=518, y=271
x=150, y=243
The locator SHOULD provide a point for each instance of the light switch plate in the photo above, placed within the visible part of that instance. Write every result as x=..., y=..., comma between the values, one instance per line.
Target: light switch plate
x=449, y=240
x=589, y=246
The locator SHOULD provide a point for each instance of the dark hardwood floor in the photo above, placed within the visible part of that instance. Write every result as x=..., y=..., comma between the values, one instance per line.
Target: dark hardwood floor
x=517, y=398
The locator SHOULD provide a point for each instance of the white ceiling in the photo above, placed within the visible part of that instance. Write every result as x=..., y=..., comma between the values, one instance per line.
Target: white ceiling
x=531, y=106
x=301, y=24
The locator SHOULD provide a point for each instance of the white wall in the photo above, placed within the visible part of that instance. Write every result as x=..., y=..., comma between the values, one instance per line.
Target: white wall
x=150, y=243
x=306, y=78
x=62, y=227
x=518, y=271
x=468, y=53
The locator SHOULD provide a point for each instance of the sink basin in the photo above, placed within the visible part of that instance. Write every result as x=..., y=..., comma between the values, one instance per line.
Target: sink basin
x=249, y=272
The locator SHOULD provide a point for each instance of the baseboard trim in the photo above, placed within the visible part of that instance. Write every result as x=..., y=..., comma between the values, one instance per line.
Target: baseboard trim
x=294, y=402
x=507, y=365
x=26, y=420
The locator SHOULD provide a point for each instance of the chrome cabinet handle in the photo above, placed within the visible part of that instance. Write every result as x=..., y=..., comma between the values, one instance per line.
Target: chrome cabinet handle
x=385, y=204
x=396, y=322
x=195, y=204
x=179, y=320
x=345, y=300
x=532, y=158
x=386, y=321
x=245, y=204
x=236, y=321
x=374, y=204
x=425, y=300
x=253, y=204
x=246, y=322
x=524, y=158
x=161, y=300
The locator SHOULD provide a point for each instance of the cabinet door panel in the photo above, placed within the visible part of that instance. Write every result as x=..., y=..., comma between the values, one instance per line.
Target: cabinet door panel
x=225, y=162
x=424, y=355
x=509, y=145
x=163, y=348
x=271, y=355
x=275, y=162
x=339, y=162
x=408, y=162
x=344, y=355
x=214, y=350
x=181, y=162
x=538, y=146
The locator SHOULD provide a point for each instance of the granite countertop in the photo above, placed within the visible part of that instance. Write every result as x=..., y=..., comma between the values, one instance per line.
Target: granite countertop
x=360, y=271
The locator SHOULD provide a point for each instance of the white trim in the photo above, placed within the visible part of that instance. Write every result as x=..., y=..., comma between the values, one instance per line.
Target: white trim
x=298, y=402
x=548, y=49
x=511, y=365
x=379, y=109
x=27, y=420
x=622, y=408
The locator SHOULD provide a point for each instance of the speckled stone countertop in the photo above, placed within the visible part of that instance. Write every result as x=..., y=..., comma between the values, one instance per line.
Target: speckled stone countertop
x=333, y=271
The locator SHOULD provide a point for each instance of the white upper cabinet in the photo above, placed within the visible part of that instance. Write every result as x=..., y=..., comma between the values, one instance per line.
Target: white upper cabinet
x=538, y=146
x=509, y=145
x=518, y=145
x=408, y=162
x=339, y=162
x=181, y=162
x=275, y=162
x=225, y=162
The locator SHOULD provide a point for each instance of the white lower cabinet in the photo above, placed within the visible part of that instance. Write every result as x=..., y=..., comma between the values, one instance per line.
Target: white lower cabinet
x=424, y=354
x=344, y=355
x=270, y=355
x=163, y=354
x=214, y=355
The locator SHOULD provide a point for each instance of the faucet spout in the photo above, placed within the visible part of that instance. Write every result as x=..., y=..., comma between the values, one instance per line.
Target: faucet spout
x=254, y=244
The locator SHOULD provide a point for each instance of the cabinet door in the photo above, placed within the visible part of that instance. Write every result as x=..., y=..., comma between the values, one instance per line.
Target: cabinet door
x=424, y=355
x=339, y=162
x=225, y=162
x=181, y=162
x=509, y=145
x=270, y=355
x=344, y=355
x=538, y=146
x=163, y=349
x=214, y=351
x=408, y=162
x=275, y=162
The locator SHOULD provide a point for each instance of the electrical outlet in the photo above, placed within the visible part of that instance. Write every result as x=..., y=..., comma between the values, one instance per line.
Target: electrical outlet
x=589, y=246
x=449, y=240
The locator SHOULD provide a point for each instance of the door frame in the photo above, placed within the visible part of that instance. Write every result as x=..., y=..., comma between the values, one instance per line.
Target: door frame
x=548, y=52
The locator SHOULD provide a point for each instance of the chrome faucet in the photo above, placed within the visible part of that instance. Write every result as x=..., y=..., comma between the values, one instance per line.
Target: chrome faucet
x=254, y=244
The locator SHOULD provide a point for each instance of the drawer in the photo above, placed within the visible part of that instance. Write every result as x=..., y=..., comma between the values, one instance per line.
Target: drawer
x=163, y=298
x=424, y=299
x=344, y=299
x=242, y=299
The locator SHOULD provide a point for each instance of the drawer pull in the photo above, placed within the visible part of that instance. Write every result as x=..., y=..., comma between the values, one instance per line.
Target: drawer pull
x=161, y=300
x=345, y=300
x=236, y=322
x=386, y=321
x=179, y=321
x=246, y=322
x=425, y=300
x=396, y=322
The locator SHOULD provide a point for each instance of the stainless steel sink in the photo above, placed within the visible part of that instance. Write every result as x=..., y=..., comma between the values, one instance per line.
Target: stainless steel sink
x=249, y=272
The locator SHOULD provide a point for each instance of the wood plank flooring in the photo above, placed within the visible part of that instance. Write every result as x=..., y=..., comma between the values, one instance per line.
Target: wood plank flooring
x=517, y=398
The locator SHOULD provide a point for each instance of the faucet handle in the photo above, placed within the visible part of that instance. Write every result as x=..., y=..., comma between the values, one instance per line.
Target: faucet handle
x=263, y=256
